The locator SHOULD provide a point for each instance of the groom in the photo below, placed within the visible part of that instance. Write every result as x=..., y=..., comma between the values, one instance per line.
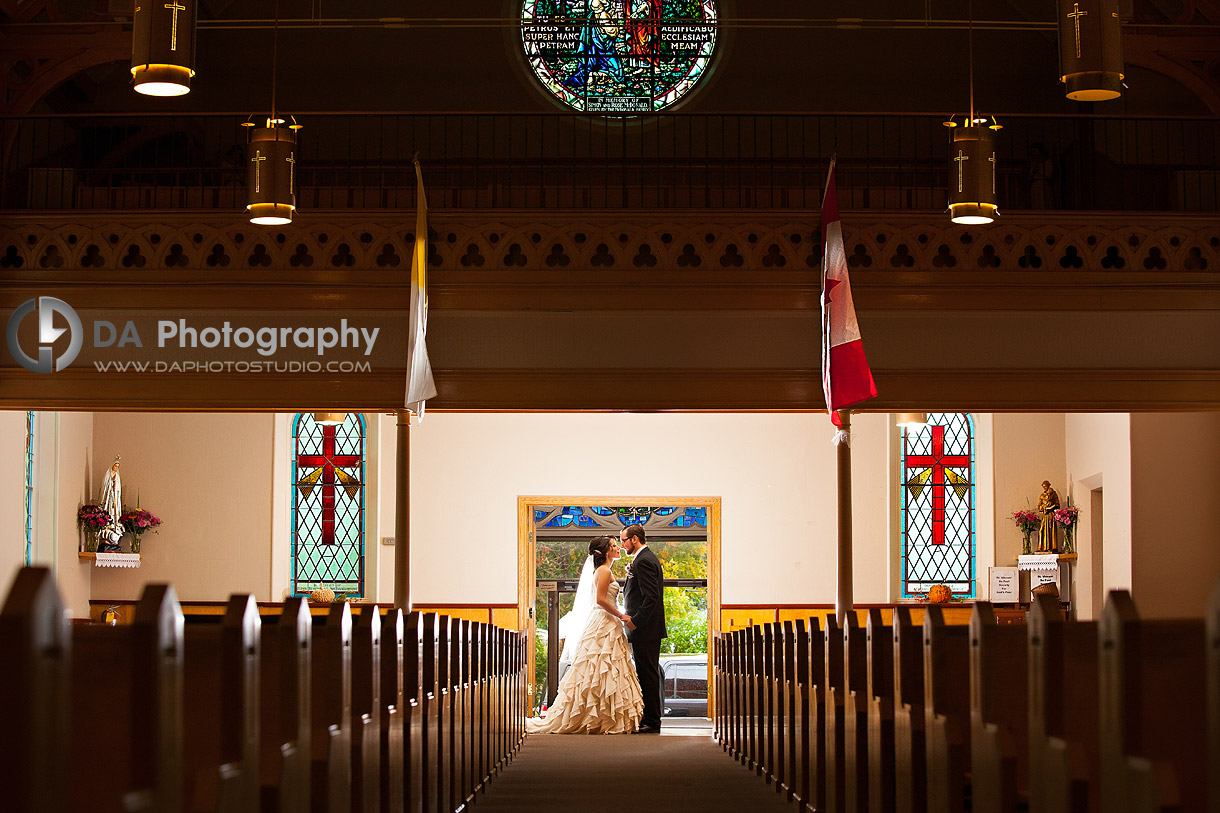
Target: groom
x=645, y=621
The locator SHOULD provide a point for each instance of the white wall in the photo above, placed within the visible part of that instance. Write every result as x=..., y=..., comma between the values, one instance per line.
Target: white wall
x=1098, y=455
x=774, y=472
x=1029, y=448
x=64, y=450
x=208, y=476
x=1175, y=487
x=215, y=479
x=12, y=496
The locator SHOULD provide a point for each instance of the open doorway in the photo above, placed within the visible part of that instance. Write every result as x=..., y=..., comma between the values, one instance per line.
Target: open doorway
x=684, y=532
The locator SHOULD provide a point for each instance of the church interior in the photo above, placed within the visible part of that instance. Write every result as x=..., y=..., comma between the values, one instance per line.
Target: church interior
x=514, y=273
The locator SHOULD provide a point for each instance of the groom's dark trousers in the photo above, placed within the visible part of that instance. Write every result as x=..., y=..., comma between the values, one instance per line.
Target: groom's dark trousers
x=643, y=600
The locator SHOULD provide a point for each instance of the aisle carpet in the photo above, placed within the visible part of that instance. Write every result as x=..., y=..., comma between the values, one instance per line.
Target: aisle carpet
x=627, y=773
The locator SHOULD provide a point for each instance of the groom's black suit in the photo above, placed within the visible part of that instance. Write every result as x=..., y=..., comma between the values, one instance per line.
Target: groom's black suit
x=643, y=598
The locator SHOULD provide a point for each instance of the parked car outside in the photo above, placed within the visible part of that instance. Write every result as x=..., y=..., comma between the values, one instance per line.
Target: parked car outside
x=684, y=685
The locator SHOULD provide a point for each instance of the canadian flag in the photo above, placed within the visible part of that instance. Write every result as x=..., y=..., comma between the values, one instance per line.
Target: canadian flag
x=846, y=377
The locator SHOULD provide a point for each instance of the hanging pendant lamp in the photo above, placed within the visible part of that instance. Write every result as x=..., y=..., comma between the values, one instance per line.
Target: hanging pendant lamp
x=271, y=158
x=972, y=171
x=1090, y=50
x=163, y=47
x=910, y=420
x=271, y=174
x=972, y=160
x=329, y=418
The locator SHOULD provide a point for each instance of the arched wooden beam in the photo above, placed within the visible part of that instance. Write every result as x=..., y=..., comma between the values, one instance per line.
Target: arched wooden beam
x=66, y=55
x=1153, y=52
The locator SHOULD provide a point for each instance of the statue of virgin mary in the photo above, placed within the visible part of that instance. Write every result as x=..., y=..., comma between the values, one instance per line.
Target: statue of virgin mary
x=112, y=504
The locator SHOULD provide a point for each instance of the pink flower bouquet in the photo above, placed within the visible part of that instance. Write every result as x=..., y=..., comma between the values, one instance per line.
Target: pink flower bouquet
x=139, y=520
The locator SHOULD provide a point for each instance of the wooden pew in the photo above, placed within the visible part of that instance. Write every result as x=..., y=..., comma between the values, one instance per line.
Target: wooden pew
x=35, y=638
x=946, y=683
x=331, y=712
x=285, y=701
x=770, y=716
x=1152, y=729
x=1213, y=699
x=1064, y=772
x=485, y=740
x=910, y=753
x=788, y=722
x=478, y=665
x=391, y=747
x=855, y=714
x=814, y=657
x=832, y=676
x=757, y=704
x=430, y=711
x=456, y=721
x=126, y=710
x=444, y=711
x=737, y=679
x=717, y=653
x=800, y=713
x=517, y=712
x=496, y=712
x=366, y=712
x=999, y=718
x=221, y=705
x=415, y=692
x=468, y=709
x=879, y=645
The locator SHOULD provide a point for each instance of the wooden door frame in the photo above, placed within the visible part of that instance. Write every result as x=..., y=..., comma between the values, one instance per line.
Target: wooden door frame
x=527, y=561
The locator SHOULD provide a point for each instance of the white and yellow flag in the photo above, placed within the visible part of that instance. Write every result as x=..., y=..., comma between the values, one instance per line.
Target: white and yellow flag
x=420, y=386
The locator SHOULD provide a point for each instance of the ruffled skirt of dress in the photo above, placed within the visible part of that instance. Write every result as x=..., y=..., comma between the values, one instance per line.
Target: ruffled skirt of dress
x=600, y=692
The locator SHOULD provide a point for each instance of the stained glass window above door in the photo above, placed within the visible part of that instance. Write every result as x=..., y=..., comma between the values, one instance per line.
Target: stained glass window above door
x=328, y=505
x=937, y=504
x=618, y=517
x=619, y=56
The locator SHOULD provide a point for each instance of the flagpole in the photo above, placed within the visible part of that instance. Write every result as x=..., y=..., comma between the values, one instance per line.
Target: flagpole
x=844, y=600
x=402, y=515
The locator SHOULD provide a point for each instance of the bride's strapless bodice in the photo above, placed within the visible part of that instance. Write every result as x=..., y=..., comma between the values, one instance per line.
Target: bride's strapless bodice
x=612, y=590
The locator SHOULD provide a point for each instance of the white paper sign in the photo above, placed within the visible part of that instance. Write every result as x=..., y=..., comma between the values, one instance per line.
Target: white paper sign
x=1041, y=577
x=1004, y=585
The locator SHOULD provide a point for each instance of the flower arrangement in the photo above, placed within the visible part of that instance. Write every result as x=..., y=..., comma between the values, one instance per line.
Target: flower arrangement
x=92, y=518
x=1067, y=517
x=1028, y=523
x=136, y=522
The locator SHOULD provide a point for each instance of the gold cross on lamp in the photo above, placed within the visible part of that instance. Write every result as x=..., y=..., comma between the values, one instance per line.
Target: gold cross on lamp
x=292, y=161
x=174, y=8
x=961, y=168
x=258, y=156
x=1075, y=16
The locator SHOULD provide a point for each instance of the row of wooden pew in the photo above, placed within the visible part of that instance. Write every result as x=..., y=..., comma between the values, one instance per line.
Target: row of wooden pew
x=368, y=712
x=1117, y=715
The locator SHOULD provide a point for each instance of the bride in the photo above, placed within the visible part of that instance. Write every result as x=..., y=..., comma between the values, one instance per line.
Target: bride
x=599, y=693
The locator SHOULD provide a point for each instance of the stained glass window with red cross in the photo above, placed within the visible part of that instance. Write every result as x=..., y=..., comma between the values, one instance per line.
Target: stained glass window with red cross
x=937, y=487
x=328, y=505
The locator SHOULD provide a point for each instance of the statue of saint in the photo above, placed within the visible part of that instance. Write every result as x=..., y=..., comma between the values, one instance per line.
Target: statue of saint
x=1048, y=503
x=112, y=503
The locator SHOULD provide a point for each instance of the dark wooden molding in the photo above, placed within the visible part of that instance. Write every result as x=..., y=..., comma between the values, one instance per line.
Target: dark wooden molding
x=992, y=390
x=600, y=290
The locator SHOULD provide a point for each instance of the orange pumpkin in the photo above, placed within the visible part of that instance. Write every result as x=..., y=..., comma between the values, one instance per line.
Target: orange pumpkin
x=939, y=594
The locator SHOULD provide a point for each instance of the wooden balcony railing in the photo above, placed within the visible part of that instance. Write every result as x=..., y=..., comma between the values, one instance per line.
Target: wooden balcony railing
x=669, y=161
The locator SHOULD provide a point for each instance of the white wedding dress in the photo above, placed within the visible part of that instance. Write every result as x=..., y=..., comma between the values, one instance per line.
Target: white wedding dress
x=600, y=693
